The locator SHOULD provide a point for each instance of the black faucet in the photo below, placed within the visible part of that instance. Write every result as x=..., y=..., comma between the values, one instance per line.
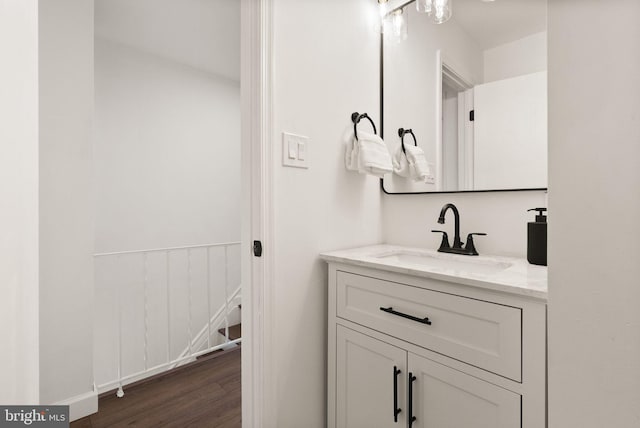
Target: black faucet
x=469, y=248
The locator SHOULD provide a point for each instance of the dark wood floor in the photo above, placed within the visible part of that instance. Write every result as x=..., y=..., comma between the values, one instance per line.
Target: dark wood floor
x=202, y=395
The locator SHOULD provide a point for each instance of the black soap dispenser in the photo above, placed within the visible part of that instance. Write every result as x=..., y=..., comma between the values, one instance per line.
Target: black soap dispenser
x=537, y=238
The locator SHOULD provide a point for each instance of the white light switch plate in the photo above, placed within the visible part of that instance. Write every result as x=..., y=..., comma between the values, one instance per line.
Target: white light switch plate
x=295, y=150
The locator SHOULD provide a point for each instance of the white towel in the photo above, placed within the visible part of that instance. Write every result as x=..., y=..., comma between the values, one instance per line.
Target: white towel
x=416, y=158
x=411, y=165
x=351, y=153
x=401, y=164
x=373, y=155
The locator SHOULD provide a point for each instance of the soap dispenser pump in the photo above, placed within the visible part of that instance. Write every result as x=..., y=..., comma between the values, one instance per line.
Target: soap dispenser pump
x=537, y=238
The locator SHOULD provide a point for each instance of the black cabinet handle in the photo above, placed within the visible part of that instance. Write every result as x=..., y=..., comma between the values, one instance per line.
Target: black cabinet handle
x=396, y=409
x=390, y=310
x=412, y=418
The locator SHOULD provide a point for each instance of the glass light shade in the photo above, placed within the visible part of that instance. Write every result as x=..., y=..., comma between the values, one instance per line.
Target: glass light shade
x=379, y=20
x=424, y=6
x=441, y=10
x=398, y=26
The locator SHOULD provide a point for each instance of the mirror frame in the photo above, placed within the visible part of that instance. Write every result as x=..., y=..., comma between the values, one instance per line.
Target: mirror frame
x=533, y=189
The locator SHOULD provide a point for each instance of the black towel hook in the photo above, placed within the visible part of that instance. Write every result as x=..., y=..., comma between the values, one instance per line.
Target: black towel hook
x=356, y=117
x=401, y=133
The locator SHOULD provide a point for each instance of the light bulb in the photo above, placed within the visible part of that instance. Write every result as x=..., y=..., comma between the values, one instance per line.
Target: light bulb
x=442, y=10
x=379, y=21
x=399, y=25
x=382, y=7
x=424, y=6
x=397, y=19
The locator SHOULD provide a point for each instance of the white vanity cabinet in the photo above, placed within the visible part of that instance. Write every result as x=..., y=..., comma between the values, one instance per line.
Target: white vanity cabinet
x=423, y=352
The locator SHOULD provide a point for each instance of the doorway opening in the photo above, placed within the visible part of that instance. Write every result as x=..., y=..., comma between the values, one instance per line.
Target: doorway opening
x=167, y=185
x=455, y=136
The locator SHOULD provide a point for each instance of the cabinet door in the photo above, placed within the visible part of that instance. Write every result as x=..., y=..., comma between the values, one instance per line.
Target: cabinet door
x=365, y=389
x=446, y=398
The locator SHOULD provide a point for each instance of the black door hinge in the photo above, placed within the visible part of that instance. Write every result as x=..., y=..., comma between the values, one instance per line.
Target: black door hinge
x=257, y=248
x=472, y=115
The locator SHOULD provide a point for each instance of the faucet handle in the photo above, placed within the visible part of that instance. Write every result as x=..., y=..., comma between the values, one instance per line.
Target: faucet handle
x=445, y=239
x=469, y=246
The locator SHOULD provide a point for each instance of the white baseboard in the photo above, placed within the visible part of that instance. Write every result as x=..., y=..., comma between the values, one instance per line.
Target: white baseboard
x=81, y=405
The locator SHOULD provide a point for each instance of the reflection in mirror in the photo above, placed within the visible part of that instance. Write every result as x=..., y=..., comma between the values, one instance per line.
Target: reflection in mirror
x=474, y=92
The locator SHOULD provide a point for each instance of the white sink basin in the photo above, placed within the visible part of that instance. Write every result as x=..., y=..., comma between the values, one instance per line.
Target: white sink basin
x=440, y=261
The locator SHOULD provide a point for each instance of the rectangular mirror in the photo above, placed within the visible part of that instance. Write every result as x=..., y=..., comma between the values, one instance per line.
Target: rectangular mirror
x=473, y=90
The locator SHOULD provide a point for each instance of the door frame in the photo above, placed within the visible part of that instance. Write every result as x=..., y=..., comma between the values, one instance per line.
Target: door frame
x=258, y=370
x=446, y=69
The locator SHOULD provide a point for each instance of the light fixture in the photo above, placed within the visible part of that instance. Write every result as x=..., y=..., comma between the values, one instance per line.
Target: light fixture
x=399, y=25
x=425, y=6
x=382, y=13
x=392, y=23
x=439, y=10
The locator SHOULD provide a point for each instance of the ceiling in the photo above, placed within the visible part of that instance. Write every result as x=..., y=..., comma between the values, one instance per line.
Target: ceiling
x=501, y=21
x=204, y=34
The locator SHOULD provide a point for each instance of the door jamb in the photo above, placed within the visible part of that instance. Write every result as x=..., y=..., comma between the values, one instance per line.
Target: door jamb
x=258, y=386
x=445, y=67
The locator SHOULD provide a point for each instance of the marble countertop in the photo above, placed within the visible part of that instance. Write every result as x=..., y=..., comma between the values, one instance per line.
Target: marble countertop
x=505, y=274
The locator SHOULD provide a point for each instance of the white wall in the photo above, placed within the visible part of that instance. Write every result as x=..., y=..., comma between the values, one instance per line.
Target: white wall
x=594, y=212
x=510, y=133
x=409, y=219
x=326, y=67
x=523, y=56
x=167, y=152
x=19, y=366
x=66, y=205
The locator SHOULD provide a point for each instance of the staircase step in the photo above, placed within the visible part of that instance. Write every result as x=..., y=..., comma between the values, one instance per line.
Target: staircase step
x=216, y=353
x=235, y=331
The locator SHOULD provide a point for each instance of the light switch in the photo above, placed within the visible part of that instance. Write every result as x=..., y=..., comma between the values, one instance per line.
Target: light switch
x=295, y=150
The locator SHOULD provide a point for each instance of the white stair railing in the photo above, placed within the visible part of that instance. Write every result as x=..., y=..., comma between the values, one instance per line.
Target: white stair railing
x=220, y=318
x=124, y=268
